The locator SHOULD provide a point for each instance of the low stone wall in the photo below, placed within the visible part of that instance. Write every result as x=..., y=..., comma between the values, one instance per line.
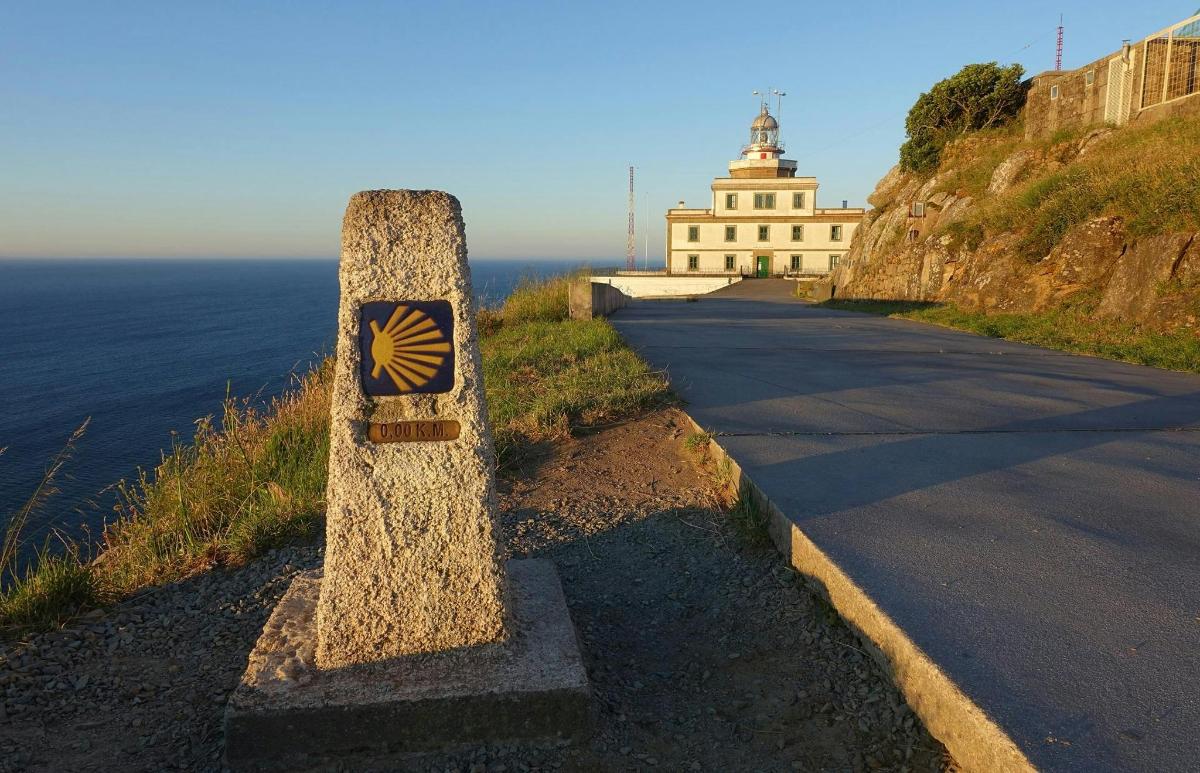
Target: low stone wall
x=595, y=299
x=667, y=285
x=821, y=291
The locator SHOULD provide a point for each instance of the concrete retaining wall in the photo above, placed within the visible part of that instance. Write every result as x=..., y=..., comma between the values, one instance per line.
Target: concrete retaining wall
x=666, y=285
x=595, y=299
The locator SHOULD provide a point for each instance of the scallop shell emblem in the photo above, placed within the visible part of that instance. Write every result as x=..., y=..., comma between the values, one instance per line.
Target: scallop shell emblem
x=411, y=349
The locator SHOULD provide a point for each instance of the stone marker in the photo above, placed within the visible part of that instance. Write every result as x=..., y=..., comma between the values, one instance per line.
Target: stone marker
x=410, y=551
x=414, y=635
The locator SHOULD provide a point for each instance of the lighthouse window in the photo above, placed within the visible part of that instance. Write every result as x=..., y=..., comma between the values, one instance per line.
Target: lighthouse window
x=731, y=233
x=764, y=233
x=730, y=201
x=835, y=233
x=798, y=200
x=693, y=262
x=693, y=233
x=833, y=261
x=797, y=233
x=729, y=262
x=795, y=263
x=764, y=201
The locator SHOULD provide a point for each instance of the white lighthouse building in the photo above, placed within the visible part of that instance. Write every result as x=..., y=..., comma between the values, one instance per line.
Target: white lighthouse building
x=764, y=220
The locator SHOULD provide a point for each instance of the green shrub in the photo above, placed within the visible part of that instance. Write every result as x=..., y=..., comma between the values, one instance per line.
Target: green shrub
x=977, y=97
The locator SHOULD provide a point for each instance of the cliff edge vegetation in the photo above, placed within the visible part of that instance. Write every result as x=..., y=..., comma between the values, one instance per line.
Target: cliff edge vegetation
x=1091, y=231
x=254, y=478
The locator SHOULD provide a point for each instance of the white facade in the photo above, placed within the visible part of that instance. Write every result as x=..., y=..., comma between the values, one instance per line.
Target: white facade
x=763, y=220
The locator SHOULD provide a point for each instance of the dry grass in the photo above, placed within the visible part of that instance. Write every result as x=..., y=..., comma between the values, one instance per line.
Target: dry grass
x=970, y=163
x=252, y=481
x=1147, y=175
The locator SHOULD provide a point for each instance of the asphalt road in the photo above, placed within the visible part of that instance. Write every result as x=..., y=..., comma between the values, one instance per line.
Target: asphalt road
x=1030, y=518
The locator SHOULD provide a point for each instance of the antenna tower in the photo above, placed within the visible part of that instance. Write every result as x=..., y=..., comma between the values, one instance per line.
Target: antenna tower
x=630, y=243
x=1058, y=50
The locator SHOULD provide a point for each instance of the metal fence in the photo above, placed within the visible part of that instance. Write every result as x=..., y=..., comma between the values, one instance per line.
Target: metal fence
x=1171, y=63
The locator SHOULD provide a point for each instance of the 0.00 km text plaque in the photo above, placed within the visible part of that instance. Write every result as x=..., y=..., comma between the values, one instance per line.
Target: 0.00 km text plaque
x=412, y=431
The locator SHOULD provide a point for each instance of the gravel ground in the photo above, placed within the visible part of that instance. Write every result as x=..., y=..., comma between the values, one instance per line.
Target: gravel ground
x=143, y=685
x=704, y=650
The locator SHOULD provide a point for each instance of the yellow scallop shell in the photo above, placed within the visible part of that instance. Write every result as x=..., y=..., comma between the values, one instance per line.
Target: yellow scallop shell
x=409, y=348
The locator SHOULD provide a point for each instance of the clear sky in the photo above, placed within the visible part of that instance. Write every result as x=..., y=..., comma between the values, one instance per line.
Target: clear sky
x=215, y=128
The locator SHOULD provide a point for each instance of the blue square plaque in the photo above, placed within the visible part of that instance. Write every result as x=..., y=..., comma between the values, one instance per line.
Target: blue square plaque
x=407, y=347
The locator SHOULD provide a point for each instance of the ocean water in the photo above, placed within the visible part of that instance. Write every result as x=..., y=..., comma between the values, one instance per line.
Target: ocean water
x=144, y=348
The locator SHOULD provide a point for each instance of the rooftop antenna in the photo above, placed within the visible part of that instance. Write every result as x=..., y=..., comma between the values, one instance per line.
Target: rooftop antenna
x=630, y=241
x=1058, y=50
x=779, y=95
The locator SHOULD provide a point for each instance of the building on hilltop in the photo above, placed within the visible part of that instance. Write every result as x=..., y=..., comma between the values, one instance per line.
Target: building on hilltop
x=1154, y=78
x=764, y=220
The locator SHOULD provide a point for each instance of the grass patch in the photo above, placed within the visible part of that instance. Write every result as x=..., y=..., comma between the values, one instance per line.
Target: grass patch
x=1071, y=327
x=1147, y=175
x=536, y=300
x=254, y=479
x=749, y=520
x=546, y=375
x=972, y=162
x=698, y=441
x=52, y=587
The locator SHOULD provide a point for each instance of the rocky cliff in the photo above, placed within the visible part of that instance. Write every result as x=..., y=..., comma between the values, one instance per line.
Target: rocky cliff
x=1103, y=216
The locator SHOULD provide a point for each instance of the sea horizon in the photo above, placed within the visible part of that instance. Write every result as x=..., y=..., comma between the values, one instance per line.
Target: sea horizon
x=143, y=347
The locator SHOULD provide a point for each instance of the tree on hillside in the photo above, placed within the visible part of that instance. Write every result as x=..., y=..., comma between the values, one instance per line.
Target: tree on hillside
x=979, y=96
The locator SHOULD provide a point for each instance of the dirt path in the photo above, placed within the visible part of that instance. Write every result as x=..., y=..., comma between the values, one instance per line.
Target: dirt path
x=705, y=652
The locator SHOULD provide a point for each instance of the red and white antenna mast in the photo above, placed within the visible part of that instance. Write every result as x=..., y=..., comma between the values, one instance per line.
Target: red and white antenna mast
x=630, y=243
x=1058, y=50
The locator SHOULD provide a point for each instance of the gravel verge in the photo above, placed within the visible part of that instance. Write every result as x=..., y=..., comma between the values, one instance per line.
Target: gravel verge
x=704, y=650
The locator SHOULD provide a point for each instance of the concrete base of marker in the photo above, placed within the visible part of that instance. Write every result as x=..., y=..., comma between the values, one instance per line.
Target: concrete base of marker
x=287, y=715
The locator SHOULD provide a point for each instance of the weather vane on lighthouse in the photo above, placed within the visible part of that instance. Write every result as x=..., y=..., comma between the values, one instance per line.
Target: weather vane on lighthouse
x=764, y=98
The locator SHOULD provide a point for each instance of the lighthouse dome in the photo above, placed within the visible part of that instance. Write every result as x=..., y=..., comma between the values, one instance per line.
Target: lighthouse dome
x=764, y=132
x=764, y=122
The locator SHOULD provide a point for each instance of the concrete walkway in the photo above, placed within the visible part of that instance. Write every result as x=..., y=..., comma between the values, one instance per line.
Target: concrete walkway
x=1030, y=519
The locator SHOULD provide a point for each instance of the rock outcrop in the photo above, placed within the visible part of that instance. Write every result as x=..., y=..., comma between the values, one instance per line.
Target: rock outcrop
x=940, y=256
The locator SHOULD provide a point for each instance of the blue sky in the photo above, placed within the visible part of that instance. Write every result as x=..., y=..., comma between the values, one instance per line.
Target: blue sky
x=240, y=129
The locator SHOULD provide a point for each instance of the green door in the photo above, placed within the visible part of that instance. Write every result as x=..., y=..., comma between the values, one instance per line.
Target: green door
x=764, y=266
